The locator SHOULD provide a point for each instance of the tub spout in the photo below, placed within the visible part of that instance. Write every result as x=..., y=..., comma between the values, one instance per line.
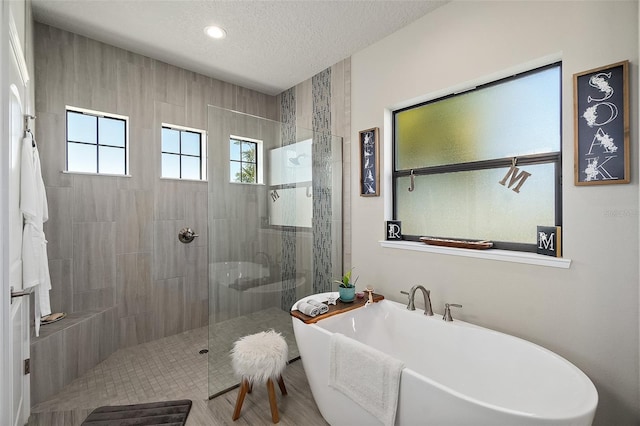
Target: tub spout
x=427, y=299
x=266, y=260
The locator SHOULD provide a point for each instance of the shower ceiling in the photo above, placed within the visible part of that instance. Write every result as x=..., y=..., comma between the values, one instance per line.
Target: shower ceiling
x=270, y=45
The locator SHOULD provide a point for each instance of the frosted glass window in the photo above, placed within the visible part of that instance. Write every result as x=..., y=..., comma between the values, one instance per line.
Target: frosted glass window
x=291, y=207
x=514, y=117
x=243, y=158
x=472, y=205
x=182, y=153
x=461, y=147
x=291, y=163
x=96, y=142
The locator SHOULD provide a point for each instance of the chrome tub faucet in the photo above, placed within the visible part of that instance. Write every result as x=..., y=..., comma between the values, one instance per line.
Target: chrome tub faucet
x=427, y=299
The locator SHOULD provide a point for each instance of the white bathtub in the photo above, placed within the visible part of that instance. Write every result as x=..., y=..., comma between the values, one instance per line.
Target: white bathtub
x=241, y=288
x=455, y=373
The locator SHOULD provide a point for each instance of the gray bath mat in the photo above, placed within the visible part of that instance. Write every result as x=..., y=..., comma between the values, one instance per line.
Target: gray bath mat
x=172, y=413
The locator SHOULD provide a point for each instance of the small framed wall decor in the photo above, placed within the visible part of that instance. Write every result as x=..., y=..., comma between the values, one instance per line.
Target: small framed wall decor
x=369, y=163
x=601, y=125
x=393, y=230
x=549, y=241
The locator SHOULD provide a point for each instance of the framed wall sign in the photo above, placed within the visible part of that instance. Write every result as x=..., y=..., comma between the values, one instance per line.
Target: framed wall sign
x=393, y=230
x=369, y=163
x=601, y=125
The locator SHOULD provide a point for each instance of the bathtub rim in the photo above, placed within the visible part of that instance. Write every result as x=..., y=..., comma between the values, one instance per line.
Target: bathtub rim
x=585, y=410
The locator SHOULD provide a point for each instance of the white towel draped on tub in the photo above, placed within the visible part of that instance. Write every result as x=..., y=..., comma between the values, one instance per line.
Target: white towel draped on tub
x=33, y=204
x=366, y=375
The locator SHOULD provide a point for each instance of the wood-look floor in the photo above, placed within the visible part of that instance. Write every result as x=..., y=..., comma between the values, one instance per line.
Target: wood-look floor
x=297, y=408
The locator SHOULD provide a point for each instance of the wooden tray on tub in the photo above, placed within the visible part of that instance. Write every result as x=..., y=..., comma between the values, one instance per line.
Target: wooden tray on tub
x=338, y=308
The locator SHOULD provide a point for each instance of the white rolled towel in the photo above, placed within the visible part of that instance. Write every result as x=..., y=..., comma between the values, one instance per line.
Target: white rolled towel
x=308, y=309
x=322, y=306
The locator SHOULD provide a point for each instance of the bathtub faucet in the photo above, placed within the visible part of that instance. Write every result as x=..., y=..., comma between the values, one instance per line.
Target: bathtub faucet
x=427, y=299
x=267, y=260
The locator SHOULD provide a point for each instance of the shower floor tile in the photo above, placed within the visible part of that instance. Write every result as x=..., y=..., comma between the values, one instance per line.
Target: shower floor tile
x=224, y=334
x=169, y=368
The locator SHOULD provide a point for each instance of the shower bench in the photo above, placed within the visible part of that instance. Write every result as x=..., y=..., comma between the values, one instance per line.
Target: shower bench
x=68, y=348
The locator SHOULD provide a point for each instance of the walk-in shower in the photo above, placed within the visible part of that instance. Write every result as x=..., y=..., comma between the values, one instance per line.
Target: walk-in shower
x=274, y=227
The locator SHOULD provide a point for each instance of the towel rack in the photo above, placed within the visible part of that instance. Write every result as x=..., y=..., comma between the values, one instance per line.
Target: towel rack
x=27, y=128
x=28, y=117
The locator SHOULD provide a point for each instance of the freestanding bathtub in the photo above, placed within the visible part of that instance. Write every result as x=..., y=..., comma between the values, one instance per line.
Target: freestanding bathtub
x=455, y=373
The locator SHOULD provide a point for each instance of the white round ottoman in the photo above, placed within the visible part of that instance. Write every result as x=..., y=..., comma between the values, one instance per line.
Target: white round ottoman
x=261, y=358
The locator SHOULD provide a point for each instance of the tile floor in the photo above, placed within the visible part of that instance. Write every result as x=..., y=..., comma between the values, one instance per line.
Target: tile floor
x=172, y=368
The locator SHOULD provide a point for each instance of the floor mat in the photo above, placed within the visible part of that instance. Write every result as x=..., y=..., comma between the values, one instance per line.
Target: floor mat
x=153, y=413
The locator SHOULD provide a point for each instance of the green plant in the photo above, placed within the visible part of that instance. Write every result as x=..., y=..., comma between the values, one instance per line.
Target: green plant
x=346, y=280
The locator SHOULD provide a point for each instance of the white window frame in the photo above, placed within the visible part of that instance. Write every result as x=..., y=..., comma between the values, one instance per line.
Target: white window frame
x=203, y=150
x=259, y=160
x=127, y=171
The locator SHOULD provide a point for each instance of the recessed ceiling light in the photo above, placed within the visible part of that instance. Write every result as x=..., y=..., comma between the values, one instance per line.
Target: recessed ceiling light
x=214, y=31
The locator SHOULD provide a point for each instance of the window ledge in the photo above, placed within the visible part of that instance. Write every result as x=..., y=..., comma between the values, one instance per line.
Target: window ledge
x=491, y=254
x=67, y=172
x=183, y=179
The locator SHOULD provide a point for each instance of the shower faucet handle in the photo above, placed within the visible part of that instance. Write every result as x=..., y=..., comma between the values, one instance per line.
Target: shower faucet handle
x=186, y=235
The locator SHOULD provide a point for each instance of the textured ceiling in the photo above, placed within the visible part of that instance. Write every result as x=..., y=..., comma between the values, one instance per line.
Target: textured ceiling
x=270, y=45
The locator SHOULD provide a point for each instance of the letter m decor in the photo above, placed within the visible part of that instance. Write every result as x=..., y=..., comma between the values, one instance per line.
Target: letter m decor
x=515, y=176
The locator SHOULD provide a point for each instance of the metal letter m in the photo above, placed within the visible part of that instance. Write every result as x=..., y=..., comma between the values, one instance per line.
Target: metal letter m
x=515, y=175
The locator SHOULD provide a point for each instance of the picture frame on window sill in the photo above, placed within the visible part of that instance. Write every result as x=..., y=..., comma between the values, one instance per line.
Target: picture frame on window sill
x=369, y=162
x=601, y=125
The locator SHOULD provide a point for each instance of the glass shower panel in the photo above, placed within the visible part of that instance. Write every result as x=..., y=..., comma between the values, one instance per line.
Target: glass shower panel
x=273, y=242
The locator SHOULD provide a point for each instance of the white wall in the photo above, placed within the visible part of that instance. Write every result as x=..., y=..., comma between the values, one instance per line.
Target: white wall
x=587, y=313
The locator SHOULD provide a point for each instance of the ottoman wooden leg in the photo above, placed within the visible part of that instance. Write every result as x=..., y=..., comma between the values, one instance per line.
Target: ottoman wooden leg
x=272, y=401
x=241, y=394
x=281, y=384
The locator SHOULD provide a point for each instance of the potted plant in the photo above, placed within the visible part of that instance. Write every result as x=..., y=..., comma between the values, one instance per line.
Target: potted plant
x=346, y=287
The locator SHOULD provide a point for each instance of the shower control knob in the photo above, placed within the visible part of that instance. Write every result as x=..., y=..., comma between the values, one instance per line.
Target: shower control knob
x=186, y=235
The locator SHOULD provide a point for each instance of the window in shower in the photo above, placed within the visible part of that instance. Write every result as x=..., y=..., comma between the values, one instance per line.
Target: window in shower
x=245, y=160
x=97, y=142
x=183, y=153
x=291, y=185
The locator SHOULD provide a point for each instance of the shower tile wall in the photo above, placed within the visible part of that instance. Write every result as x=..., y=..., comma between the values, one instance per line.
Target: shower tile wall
x=323, y=103
x=113, y=240
x=289, y=236
x=115, y=262
x=322, y=183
